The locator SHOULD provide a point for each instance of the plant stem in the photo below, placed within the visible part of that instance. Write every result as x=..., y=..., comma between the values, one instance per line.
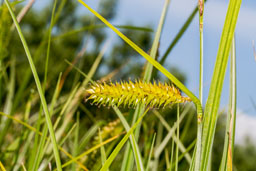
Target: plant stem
x=178, y=132
x=199, y=126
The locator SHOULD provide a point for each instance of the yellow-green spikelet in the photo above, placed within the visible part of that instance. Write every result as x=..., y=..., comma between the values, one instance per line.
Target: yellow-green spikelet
x=129, y=93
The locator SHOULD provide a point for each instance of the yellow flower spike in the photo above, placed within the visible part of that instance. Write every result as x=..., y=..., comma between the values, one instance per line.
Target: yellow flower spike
x=130, y=94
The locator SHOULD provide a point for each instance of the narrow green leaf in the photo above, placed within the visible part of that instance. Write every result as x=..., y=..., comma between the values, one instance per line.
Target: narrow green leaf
x=228, y=151
x=134, y=144
x=102, y=149
x=121, y=144
x=151, y=151
x=213, y=101
x=177, y=143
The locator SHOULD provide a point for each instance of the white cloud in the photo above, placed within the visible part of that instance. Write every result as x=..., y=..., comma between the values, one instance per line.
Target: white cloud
x=245, y=126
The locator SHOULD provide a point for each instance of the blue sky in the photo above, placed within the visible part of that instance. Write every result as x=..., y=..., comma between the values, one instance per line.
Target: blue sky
x=185, y=55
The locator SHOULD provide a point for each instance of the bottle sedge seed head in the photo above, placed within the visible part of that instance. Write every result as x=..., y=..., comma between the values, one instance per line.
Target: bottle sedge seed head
x=130, y=94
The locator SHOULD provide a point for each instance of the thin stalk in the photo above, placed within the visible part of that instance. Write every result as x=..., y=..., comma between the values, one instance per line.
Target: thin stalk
x=200, y=125
x=171, y=163
x=49, y=44
x=201, y=22
x=178, y=134
x=150, y=152
x=38, y=146
x=233, y=100
x=39, y=88
x=76, y=137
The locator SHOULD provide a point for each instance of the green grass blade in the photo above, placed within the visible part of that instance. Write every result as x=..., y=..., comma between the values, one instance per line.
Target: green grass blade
x=177, y=143
x=49, y=44
x=75, y=149
x=42, y=140
x=228, y=151
x=233, y=100
x=95, y=64
x=89, y=134
x=11, y=90
x=213, y=101
x=40, y=91
x=98, y=26
x=153, y=52
x=102, y=150
x=159, y=137
x=171, y=160
x=121, y=144
x=150, y=152
x=36, y=160
x=134, y=144
x=179, y=35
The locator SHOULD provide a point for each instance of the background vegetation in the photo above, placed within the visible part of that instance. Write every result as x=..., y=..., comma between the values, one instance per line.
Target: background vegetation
x=79, y=44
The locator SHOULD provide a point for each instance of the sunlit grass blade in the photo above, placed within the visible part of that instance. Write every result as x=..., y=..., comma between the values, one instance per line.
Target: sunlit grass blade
x=89, y=134
x=42, y=142
x=233, y=103
x=150, y=152
x=228, y=151
x=171, y=134
x=149, y=68
x=95, y=64
x=213, y=101
x=35, y=162
x=121, y=144
x=178, y=136
x=133, y=142
x=98, y=26
x=76, y=137
x=159, y=137
x=40, y=91
x=102, y=150
x=171, y=159
x=179, y=35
